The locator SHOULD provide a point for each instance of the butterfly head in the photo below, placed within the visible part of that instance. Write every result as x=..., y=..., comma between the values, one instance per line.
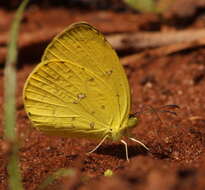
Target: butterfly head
x=116, y=135
x=132, y=121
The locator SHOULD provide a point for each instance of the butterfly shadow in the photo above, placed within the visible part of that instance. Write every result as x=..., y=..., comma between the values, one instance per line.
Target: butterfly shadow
x=118, y=150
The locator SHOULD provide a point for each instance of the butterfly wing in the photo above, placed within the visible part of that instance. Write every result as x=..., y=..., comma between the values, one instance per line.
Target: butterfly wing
x=85, y=45
x=79, y=88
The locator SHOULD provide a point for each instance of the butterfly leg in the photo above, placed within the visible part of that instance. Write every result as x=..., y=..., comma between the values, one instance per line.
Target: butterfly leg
x=142, y=144
x=98, y=145
x=126, y=149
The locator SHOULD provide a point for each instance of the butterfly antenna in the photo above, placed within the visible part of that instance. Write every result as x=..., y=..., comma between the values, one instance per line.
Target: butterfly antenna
x=157, y=114
x=100, y=143
x=148, y=108
x=139, y=142
x=162, y=109
x=171, y=106
x=167, y=111
x=126, y=149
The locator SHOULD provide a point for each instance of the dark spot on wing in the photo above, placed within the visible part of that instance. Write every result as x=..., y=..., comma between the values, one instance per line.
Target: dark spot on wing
x=108, y=73
x=75, y=102
x=72, y=126
x=92, y=125
x=81, y=95
x=91, y=79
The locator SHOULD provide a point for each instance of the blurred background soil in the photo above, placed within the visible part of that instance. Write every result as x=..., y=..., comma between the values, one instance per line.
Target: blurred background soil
x=159, y=74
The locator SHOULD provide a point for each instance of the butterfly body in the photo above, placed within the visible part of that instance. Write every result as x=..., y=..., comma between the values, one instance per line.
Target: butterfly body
x=80, y=88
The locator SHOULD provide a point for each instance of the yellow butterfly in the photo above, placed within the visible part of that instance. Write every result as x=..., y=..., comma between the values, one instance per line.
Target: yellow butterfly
x=80, y=88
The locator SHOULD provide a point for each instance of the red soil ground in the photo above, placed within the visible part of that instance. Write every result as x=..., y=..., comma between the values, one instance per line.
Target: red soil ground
x=176, y=159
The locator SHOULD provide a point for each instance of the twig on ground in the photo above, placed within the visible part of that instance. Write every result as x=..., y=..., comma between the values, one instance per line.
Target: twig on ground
x=163, y=51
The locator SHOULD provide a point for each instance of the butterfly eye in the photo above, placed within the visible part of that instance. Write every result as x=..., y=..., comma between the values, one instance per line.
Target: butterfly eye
x=131, y=115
